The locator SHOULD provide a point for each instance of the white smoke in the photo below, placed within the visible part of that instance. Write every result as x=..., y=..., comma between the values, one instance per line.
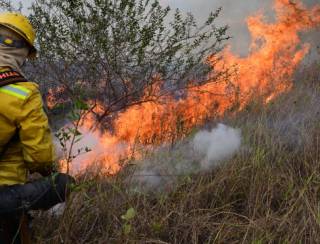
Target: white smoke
x=205, y=151
x=216, y=145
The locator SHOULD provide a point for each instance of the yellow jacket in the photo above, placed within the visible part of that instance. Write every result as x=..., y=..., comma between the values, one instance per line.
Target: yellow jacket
x=24, y=124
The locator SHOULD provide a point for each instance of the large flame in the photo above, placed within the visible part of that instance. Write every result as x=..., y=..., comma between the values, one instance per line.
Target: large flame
x=266, y=72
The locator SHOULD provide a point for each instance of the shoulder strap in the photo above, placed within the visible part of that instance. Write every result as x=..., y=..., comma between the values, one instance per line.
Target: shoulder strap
x=9, y=77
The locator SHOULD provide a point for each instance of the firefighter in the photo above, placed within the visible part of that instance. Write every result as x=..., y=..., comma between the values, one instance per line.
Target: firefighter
x=26, y=144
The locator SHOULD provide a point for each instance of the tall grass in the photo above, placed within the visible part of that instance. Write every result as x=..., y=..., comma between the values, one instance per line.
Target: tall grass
x=268, y=193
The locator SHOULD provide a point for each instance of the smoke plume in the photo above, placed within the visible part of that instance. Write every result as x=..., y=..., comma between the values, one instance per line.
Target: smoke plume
x=217, y=145
x=205, y=151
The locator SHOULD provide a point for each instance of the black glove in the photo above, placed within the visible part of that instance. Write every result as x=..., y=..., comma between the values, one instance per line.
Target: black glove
x=40, y=194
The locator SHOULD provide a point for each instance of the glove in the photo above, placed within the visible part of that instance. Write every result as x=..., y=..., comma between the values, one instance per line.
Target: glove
x=40, y=194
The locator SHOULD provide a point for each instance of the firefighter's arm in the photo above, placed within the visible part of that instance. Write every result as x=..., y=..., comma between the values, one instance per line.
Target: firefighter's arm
x=35, y=135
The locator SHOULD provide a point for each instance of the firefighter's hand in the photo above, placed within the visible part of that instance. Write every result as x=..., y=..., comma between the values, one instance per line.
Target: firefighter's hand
x=42, y=172
x=34, y=176
x=46, y=171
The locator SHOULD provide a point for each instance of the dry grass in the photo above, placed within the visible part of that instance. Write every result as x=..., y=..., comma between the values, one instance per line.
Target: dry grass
x=268, y=193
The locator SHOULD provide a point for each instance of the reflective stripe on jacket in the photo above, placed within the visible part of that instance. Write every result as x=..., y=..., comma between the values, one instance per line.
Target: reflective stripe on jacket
x=24, y=125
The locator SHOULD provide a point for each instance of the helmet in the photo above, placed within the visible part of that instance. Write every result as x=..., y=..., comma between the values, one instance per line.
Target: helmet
x=20, y=25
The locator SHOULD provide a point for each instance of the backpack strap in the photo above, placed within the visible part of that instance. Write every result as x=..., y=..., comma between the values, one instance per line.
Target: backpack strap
x=8, y=77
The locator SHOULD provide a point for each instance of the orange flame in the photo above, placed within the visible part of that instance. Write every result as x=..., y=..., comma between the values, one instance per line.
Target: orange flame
x=52, y=95
x=267, y=71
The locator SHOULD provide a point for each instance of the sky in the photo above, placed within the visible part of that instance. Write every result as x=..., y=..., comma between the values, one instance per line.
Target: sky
x=234, y=14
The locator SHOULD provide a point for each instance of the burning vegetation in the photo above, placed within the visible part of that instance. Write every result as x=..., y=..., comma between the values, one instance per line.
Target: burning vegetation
x=275, y=53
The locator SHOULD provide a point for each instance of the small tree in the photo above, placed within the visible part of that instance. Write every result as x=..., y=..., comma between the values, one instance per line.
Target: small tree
x=7, y=5
x=117, y=51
